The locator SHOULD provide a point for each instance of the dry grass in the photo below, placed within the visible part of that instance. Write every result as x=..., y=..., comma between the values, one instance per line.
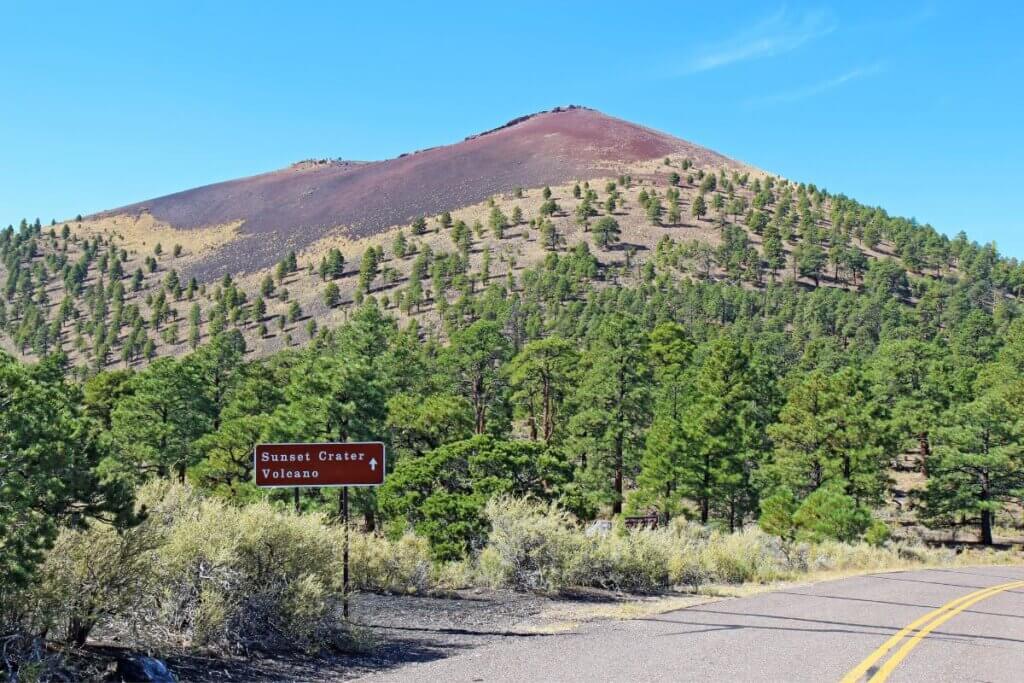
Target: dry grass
x=139, y=234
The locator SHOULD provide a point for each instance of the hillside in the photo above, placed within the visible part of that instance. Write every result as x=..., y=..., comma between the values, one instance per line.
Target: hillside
x=294, y=207
x=166, y=303
x=777, y=377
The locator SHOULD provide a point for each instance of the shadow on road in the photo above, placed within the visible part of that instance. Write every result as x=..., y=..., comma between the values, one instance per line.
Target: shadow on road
x=882, y=577
x=848, y=627
x=895, y=604
x=463, y=631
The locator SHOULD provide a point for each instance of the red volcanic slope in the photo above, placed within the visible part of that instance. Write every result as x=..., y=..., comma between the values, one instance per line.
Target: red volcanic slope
x=294, y=207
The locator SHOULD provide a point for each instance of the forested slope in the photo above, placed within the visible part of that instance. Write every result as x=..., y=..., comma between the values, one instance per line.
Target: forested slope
x=700, y=342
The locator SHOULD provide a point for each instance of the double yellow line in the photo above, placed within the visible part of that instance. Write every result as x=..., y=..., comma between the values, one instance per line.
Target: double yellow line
x=923, y=626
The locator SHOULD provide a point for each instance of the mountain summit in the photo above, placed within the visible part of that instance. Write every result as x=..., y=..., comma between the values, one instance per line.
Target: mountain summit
x=294, y=207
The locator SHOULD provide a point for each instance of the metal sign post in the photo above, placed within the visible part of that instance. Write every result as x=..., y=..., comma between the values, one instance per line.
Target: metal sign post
x=325, y=465
x=344, y=553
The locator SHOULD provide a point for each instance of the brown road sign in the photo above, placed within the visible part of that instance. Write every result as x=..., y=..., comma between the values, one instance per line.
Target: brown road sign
x=319, y=464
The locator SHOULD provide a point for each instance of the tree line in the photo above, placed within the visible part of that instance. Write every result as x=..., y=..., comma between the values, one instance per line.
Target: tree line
x=786, y=407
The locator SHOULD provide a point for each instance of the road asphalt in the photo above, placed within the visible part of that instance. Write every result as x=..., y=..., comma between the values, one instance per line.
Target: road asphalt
x=820, y=632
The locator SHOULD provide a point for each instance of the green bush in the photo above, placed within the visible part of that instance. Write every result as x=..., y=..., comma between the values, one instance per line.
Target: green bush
x=827, y=514
x=877, y=533
x=777, y=514
x=443, y=494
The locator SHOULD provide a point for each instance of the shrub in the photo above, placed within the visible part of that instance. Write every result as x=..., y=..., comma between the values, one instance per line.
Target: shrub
x=777, y=514
x=401, y=566
x=830, y=514
x=748, y=555
x=252, y=576
x=99, y=572
x=630, y=561
x=537, y=546
x=689, y=569
x=531, y=546
x=877, y=533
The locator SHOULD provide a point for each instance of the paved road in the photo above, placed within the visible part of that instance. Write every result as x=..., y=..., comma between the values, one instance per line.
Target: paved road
x=812, y=633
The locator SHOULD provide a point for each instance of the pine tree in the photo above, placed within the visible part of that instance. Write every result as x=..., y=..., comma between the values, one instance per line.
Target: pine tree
x=540, y=378
x=606, y=232
x=977, y=465
x=400, y=246
x=497, y=223
x=332, y=295
x=473, y=361
x=419, y=226
x=699, y=208
x=194, y=319
x=51, y=454
x=610, y=409
x=831, y=431
x=658, y=484
x=368, y=269
x=723, y=426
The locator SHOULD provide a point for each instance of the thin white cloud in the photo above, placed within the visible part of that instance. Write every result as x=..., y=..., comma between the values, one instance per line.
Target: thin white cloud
x=813, y=89
x=772, y=36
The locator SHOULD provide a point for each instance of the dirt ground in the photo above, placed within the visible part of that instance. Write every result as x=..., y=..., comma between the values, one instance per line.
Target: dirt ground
x=391, y=631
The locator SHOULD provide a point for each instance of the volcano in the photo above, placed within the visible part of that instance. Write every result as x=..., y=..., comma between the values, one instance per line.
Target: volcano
x=294, y=207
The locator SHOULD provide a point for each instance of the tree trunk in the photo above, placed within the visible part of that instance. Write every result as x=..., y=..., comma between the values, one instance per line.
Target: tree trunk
x=617, y=505
x=706, y=493
x=79, y=629
x=986, y=513
x=925, y=449
x=986, y=527
x=549, y=420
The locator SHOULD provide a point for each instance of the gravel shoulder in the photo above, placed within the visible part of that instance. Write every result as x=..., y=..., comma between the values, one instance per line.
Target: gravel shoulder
x=411, y=637
x=391, y=632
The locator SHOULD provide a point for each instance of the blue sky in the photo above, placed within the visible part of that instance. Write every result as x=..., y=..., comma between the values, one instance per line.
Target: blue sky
x=914, y=107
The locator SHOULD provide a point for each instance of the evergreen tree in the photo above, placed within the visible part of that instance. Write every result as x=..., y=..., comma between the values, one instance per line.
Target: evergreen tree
x=155, y=428
x=723, y=424
x=497, y=222
x=400, y=246
x=332, y=295
x=368, y=269
x=52, y=474
x=473, y=361
x=610, y=409
x=977, y=466
x=831, y=431
x=606, y=232
x=540, y=376
x=658, y=484
x=699, y=207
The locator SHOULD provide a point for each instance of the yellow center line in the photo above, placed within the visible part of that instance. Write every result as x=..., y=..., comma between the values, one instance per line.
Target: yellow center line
x=894, y=661
x=861, y=669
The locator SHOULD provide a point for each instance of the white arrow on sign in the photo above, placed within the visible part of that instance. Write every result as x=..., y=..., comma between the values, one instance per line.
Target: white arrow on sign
x=373, y=464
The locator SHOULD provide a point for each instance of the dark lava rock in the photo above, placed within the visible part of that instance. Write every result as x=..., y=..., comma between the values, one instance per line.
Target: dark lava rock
x=144, y=670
